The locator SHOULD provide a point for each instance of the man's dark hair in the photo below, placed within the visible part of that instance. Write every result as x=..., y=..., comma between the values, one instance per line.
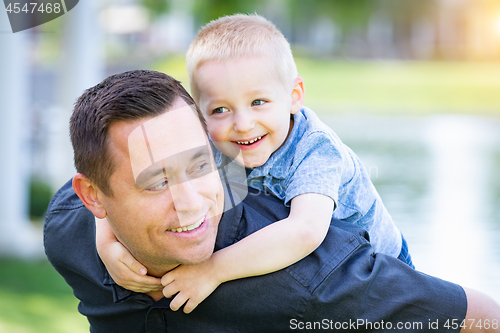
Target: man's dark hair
x=127, y=96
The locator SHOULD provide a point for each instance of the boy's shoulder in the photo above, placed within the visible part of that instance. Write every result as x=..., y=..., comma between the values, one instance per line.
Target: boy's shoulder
x=309, y=138
x=311, y=131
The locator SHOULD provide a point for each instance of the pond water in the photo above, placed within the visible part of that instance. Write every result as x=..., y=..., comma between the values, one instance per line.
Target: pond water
x=439, y=178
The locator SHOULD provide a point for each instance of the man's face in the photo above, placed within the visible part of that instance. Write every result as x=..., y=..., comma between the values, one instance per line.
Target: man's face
x=168, y=199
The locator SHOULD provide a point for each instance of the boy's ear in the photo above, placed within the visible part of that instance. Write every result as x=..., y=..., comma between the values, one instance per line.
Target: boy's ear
x=87, y=192
x=298, y=95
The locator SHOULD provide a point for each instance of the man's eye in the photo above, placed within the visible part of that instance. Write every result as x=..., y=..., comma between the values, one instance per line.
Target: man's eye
x=158, y=186
x=220, y=110
x=258, y=102
x=200, y=167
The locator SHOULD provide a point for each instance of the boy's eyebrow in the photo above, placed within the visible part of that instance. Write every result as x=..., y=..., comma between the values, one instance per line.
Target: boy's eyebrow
x=217, y=100
x=258, y=91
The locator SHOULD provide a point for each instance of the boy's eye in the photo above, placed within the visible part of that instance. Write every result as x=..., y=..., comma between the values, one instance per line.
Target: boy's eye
x=220, y=110
x=258, y=102
x=159, y=186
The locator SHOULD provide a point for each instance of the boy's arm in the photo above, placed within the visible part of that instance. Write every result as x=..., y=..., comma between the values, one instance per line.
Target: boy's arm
x=279, y=244
x=483, y=313
x=270, y=249
x=125, y=270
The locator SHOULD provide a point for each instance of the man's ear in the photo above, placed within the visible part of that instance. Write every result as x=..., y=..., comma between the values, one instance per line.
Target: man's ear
x=298, y=95
x=87, y=192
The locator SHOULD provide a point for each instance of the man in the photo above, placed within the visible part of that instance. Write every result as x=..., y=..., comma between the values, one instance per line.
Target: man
x=145, y=163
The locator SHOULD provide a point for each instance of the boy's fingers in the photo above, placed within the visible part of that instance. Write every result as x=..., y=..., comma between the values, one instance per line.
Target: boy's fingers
x=141, y=283
x=190, y=306
x=167, y=279
x=150, y=281
x=134, y=265
x=150, y=289
x=170, y=291
x=177, y=302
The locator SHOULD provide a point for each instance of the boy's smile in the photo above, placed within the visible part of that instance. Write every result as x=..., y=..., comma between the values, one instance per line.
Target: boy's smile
x=252, y=143
x=247, y=107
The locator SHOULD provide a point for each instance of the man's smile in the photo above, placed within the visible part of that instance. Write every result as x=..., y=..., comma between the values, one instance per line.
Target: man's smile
x=189, y=227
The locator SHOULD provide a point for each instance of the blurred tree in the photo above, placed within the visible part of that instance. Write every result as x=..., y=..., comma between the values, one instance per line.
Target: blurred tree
x=348, y=15
x=156, y=7
x=40, y=195
x=353, y=20
x=407, y=17
x=419, y=29
x=206, y=10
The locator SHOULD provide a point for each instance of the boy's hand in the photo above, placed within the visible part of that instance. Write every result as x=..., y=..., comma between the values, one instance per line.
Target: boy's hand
x=121, y=265
x=192, y=283
x=128, y=272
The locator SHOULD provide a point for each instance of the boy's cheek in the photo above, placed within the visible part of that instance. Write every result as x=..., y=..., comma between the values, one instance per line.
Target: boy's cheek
x=215, y=129
x=227, y=148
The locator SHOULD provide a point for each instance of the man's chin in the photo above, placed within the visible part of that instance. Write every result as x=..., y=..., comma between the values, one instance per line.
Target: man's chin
x=193, y=256
x=198, y=258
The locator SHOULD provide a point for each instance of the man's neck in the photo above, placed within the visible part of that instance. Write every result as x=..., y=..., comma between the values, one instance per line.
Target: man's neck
x=155, y=295
x=158, y=272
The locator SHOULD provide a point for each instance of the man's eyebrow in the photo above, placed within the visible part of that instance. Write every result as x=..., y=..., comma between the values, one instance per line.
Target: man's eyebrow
x=152, y=172
x=202, y=151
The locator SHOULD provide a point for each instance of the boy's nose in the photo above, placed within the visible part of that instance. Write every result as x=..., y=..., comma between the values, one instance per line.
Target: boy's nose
x=243, y=122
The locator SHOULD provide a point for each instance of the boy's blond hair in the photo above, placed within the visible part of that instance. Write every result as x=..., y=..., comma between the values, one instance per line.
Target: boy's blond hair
x=238, y=36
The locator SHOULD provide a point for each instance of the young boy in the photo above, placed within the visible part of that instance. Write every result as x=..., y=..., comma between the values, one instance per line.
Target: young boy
x=245, y=81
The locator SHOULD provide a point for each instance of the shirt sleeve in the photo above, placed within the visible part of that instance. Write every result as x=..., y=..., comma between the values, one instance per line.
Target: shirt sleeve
x=320, y=166
x=378, y=293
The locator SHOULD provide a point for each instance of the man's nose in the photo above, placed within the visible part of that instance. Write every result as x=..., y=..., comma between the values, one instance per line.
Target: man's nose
x=243, y=122
x=187, y=201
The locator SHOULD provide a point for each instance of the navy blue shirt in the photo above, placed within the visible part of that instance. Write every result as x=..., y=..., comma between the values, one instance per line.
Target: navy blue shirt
x=340, y=286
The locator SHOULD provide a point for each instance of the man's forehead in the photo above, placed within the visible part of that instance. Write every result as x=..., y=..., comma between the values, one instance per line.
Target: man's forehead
x=168, y=134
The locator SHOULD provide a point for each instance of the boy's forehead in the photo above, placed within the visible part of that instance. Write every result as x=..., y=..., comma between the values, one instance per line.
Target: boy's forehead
x=232, y=65
x=168, y=134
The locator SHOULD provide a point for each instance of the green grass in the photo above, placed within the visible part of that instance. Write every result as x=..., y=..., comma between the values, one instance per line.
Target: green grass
x=389, y=87
x=35, y=298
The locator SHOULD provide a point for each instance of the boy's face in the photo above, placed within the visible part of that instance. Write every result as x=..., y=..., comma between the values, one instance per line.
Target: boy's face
x=247, y=107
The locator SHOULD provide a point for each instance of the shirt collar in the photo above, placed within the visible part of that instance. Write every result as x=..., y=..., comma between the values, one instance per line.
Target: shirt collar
x=121, y=294
x=229, y=223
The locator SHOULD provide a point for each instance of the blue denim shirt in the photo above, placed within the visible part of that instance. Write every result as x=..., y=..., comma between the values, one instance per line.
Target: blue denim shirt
x=314, y=160
x=339, y=283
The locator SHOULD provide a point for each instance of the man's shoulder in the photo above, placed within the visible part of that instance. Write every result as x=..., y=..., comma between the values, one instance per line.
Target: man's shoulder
x=69, y=228
x=342, y=240
x=64, y=199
